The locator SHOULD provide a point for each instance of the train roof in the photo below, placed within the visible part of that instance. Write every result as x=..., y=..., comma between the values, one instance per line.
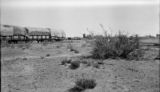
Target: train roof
x=6, y=30
x=38, y=33
x=32, y=29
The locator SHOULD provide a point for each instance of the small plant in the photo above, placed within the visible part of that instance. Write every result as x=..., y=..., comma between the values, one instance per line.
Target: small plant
x=47, y=55
x=42, y=57
x=65, y=61
x=74, y=65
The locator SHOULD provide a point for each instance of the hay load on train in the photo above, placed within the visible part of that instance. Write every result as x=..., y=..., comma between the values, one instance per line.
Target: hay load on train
x=25, y=34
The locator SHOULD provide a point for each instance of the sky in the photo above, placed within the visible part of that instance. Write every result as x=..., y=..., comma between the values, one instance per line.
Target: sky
x=76, y=17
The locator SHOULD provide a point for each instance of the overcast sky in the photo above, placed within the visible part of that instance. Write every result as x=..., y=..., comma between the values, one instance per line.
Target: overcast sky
x=75, y=16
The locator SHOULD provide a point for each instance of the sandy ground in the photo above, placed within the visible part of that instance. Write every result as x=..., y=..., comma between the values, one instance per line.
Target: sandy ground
x=38, y=69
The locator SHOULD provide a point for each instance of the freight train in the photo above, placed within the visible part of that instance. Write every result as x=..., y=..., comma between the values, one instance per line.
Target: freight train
x=15, y=34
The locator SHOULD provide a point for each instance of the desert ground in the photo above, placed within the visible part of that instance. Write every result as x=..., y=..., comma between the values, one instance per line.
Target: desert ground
x=37, y=67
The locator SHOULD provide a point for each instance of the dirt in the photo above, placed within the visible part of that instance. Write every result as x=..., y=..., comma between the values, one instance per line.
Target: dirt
x=32, y=70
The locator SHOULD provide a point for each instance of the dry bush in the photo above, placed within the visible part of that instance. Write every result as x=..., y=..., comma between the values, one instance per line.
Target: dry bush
x=83, y=84
x=47, y=55
x=86, y=83
x=74, y=65
x=118, y=46
x=75, y=89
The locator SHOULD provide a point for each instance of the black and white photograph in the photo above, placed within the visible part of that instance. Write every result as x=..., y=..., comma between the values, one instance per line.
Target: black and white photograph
x=80, y=45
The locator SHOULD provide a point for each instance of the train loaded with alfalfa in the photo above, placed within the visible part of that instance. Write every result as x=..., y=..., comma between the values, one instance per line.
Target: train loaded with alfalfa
x=15, y=34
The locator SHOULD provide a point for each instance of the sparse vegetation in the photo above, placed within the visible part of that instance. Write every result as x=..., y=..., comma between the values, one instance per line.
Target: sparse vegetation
x=115, y=46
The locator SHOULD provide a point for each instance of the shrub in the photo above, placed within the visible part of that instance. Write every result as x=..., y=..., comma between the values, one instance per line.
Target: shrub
x=75, y=89
x=74, y=65
x=82, y=85
x=115, y=46
x=86, y=83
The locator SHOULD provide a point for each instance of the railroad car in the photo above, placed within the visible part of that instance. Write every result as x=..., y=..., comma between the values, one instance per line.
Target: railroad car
x=15, y=34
